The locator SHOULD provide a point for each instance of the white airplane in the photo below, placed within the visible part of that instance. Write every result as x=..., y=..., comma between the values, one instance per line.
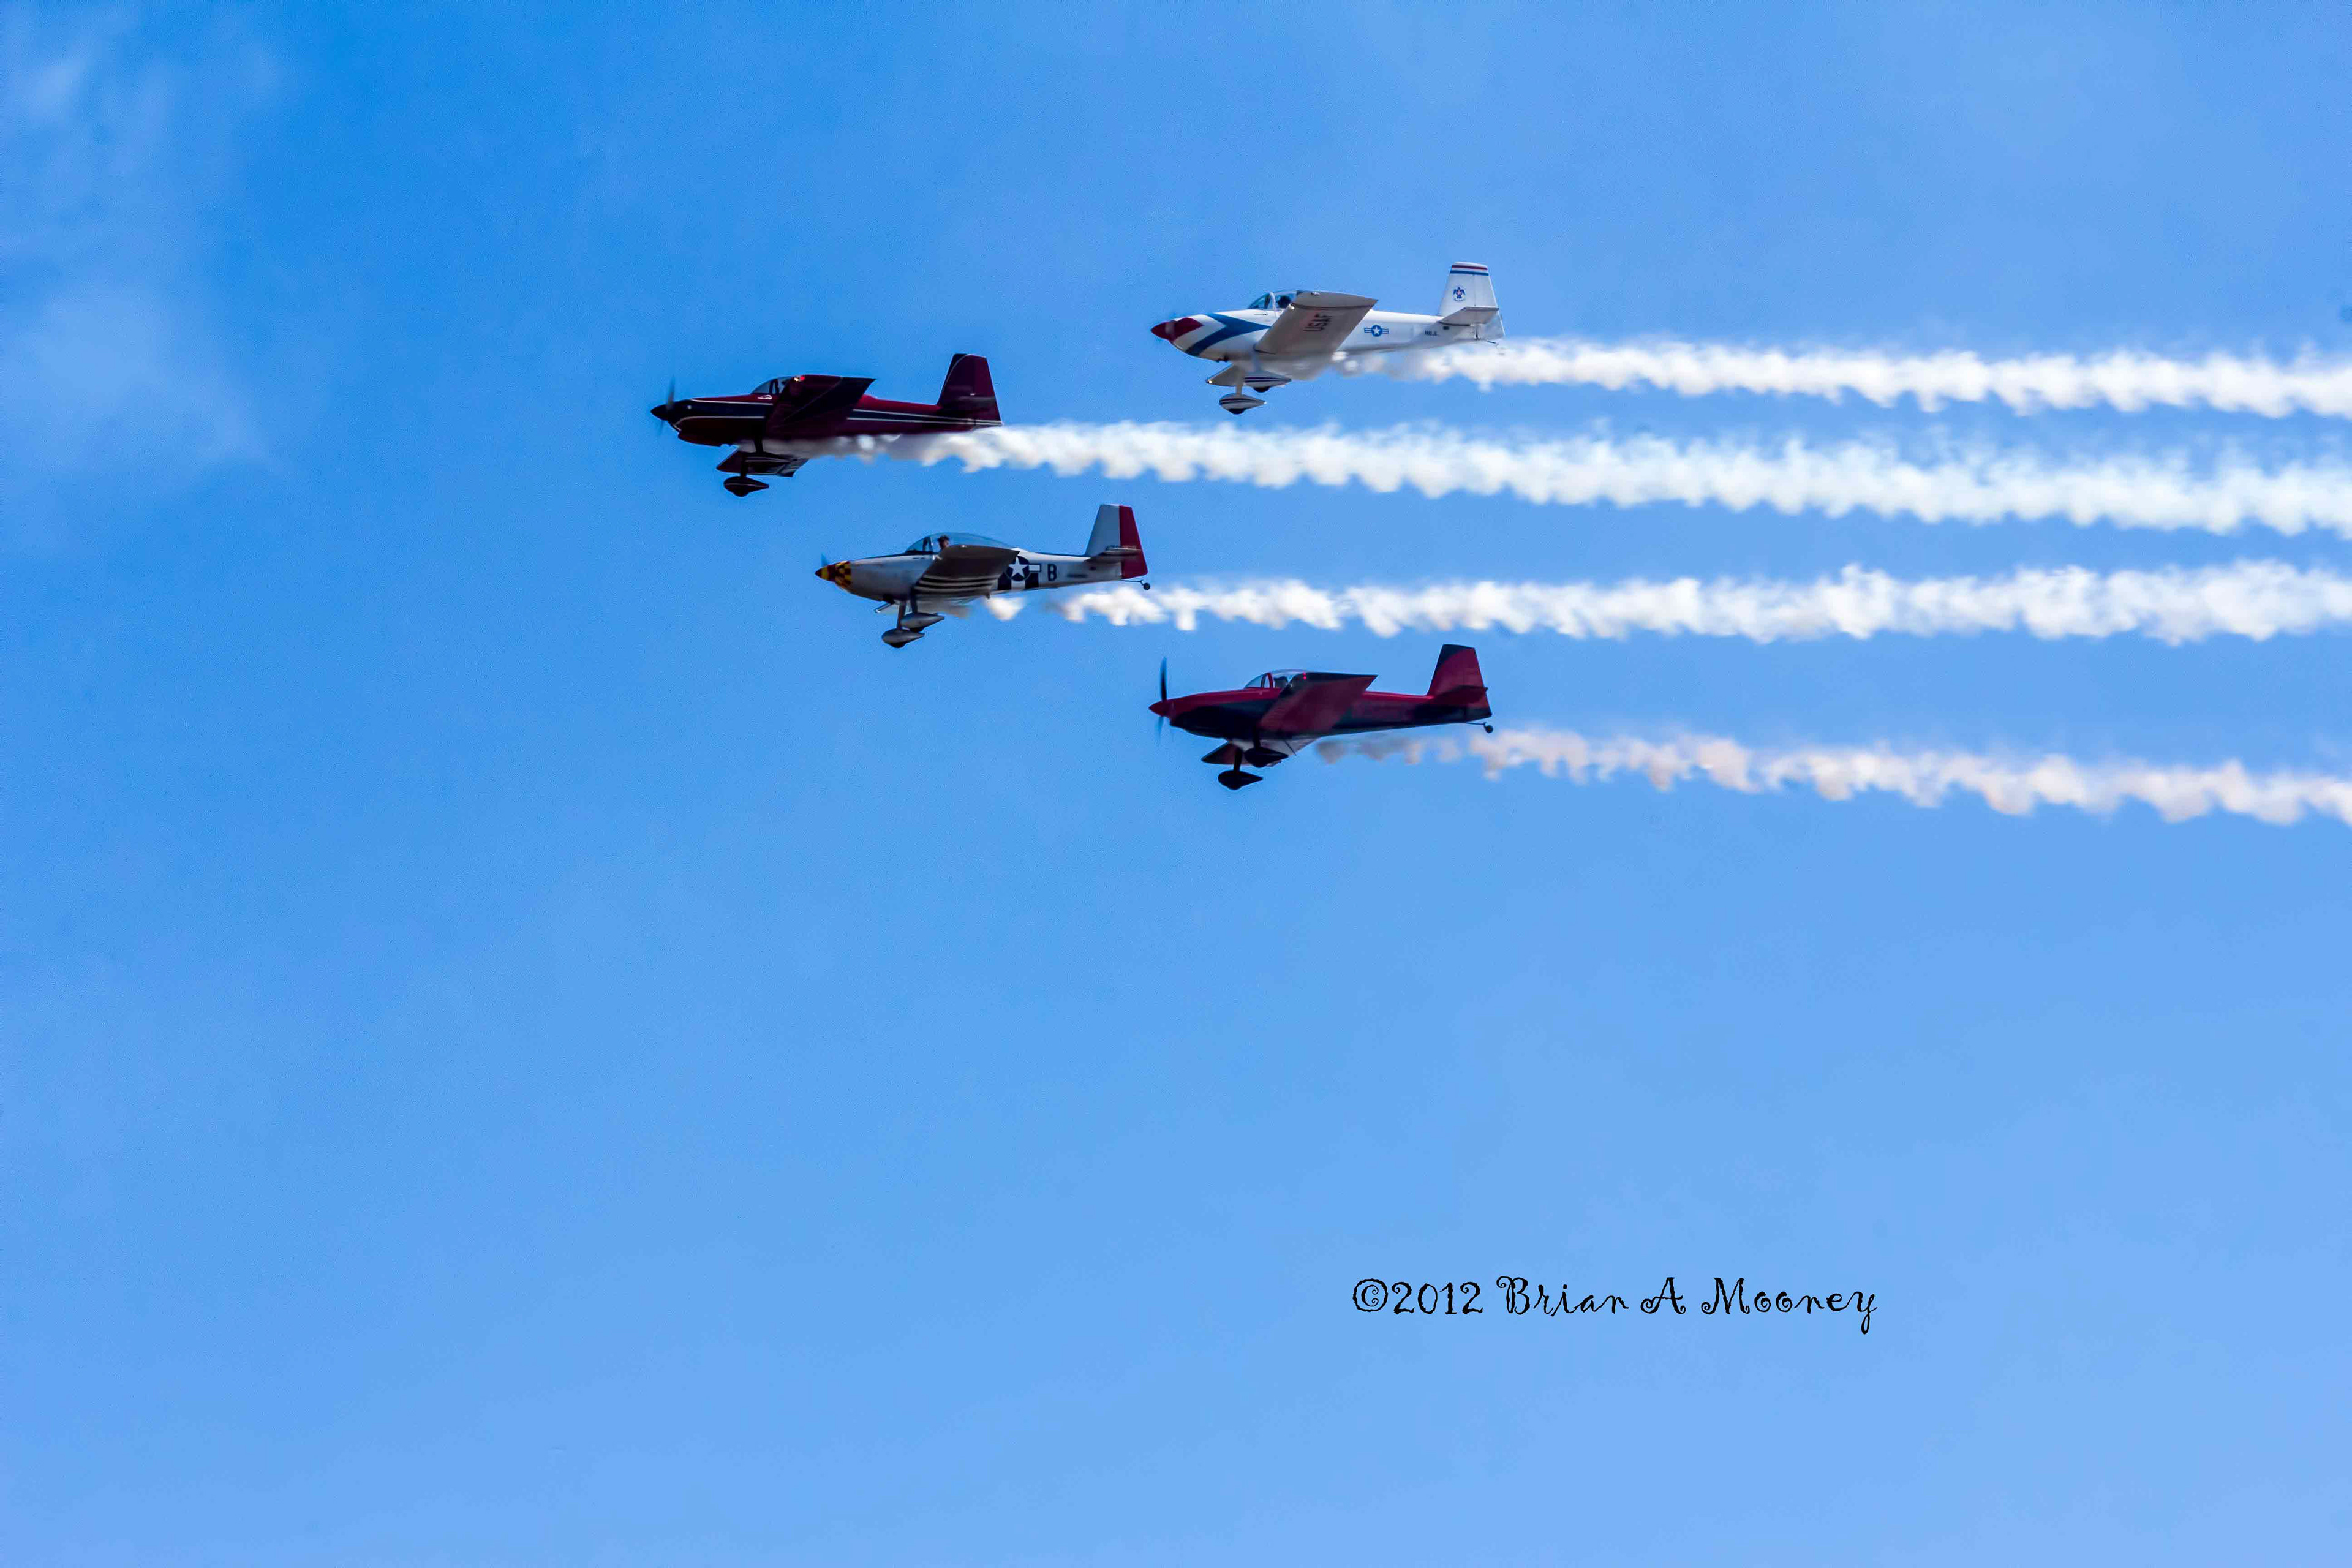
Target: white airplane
x=1277, y=338
x=951, y=569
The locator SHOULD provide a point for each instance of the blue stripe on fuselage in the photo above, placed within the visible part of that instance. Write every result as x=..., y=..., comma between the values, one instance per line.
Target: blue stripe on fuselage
x=1233, y=328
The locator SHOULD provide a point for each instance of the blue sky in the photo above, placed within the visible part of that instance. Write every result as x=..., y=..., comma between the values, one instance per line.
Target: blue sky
x=530, y=1037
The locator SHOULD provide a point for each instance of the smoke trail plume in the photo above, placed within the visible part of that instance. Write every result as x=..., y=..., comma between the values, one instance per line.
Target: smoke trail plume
x=1979, y=487
x=2123, y=380
x=1923, y=778
x=2258, y=599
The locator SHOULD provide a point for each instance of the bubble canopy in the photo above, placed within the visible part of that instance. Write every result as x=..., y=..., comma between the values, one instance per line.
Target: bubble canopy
x=932, y=544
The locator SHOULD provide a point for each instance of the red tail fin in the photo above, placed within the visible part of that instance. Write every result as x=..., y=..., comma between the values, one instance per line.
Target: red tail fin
x=968, y=393
x=1130, y=539
x=1458, y=671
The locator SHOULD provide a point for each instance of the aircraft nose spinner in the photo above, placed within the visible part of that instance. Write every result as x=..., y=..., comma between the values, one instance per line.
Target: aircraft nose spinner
x=835, y=573
x=1171, y=330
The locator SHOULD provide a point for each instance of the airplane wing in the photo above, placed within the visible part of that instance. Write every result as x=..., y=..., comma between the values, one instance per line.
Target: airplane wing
x=965, y=571
x=764, y=463
x=1314, y=703
x=817, y=396
x=1314, y=323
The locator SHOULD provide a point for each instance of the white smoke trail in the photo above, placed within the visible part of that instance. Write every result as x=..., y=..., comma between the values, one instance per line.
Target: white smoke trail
x=1923, y=778
x=2123, y=380
x=1977, y=487
x=2258, y=599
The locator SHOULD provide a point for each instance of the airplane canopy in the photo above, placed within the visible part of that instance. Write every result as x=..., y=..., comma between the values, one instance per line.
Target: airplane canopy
x=932, y=544
x=1277, y=301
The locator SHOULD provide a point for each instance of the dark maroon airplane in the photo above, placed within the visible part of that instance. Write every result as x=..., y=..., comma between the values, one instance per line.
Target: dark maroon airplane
x=820, y=408
x=1283, y=712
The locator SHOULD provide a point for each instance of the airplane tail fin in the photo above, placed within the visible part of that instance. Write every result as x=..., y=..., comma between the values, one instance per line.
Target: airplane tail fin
x=968, y=393
x=1115, y=538
x=1469, y=296
x=1458, y=682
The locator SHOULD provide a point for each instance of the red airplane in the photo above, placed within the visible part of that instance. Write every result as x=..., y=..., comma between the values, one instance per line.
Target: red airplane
x=1283, y=712
x=821, y=408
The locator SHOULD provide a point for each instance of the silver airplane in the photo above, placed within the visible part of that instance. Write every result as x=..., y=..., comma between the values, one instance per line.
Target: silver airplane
x=1277, y=338
x=951, y=569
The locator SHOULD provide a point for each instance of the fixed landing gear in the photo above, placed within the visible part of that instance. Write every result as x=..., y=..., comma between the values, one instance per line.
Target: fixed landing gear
x=1232, y=755
x=1256, y=379
x=742, y=484
x=912, y=624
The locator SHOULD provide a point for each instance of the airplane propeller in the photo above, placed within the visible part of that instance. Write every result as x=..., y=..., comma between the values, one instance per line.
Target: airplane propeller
x=1160, y=729
x=668, y=401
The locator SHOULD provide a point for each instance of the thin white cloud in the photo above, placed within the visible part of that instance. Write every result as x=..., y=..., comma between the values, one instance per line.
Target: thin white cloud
x=2258, y=599
x=113, y=136
x=114, y=369
x=1977, y=486
x=1925, y=778
x=2126, y=380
